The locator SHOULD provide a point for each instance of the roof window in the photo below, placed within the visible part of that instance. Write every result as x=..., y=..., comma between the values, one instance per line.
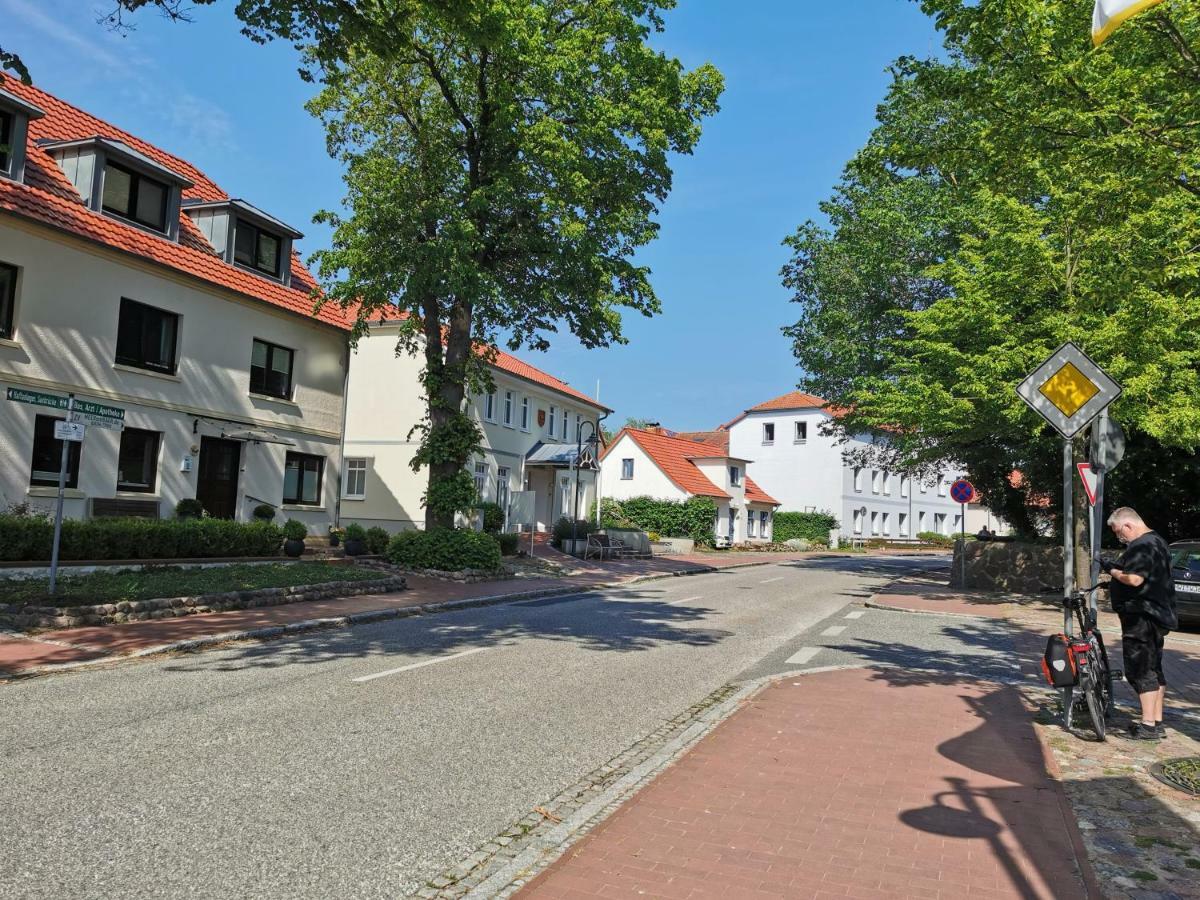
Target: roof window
x=246, y=236
x=15, y=115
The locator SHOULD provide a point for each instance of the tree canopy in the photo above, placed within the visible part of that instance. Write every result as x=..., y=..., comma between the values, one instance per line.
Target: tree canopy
x=1017, y=192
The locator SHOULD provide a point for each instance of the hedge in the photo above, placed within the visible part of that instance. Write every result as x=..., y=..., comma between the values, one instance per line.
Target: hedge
x=29, y=539
x=692, y=518
x=804, y=526
x=445, y=549
x=941, y=540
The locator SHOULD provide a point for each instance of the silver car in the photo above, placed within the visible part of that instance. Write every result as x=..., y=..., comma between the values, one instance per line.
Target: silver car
x=1185, y=563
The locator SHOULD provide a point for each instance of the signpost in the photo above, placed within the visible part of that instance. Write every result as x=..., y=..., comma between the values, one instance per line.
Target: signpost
x=1069, y=391
x=963, y=492
x=80, y=414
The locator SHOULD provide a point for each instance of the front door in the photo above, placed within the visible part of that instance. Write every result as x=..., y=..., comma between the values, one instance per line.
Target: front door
x=217, y=483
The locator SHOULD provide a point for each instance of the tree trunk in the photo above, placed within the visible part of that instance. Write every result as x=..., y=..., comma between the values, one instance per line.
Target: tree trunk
x=1081, y=535
x=445, y=391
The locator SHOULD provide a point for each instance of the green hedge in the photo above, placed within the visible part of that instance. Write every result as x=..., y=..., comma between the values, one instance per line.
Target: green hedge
x=804, y=526
x=29, y=538
x=377, y=540
x=445, y=549
x=940, y=540
x=692, y=518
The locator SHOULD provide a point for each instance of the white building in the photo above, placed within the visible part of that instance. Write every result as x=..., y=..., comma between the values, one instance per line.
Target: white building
x=531, y=425
x=129, y=279
x=806, y=471
x=658, y=464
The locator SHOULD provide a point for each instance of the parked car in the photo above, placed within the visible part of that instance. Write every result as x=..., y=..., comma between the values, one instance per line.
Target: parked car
x=1185, y=560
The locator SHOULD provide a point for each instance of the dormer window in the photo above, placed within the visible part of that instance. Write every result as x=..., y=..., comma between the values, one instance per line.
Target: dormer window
x=136, y=197
x=256, y=249
x=15, y=114
x=6, y=136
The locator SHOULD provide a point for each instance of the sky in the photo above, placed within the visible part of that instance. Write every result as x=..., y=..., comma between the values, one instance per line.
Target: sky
x=803, y=79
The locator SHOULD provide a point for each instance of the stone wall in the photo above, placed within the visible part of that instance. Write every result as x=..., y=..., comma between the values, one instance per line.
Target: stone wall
x=1007, y=566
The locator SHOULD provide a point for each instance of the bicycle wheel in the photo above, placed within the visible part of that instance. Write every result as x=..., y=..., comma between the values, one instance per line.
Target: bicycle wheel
x=1106, y=679
x=1093, y=692
x=1068, y=706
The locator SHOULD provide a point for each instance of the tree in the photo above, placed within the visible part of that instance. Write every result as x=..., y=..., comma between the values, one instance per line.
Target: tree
x=1023, y=191
x=504, y=159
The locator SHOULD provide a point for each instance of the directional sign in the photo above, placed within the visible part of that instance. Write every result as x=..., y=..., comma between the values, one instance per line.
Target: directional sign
x=962, y=491
x=102, y=415
x=70, y=431
x=84, y=418
x=1090, y=478
x=1068, y=390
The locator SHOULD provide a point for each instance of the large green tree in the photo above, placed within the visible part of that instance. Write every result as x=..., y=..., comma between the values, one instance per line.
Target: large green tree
x=1019, y=191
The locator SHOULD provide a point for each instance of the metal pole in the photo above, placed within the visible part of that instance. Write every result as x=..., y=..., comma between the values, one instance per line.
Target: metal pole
x=1097, y=518
x=1068, y=531
x=58, y=509
x=963, y=541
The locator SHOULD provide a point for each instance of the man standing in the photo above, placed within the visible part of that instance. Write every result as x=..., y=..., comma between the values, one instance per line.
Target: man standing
x=1143, y=595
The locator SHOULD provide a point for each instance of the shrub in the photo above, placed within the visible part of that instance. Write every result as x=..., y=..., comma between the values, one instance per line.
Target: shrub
x=355, y=532
x=295, y=530
x=493, y=517
x=805, y=526
x=377, y=540
x=189, y=508
x=565, y=529
x=692, y=518
x=264, y=512
x=29, y=539
x=939, y=540
x=654, y=536
x=445, y=549
x=508, y=543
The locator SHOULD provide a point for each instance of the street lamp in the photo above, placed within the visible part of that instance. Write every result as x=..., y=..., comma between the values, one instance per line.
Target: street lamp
x=592, y=441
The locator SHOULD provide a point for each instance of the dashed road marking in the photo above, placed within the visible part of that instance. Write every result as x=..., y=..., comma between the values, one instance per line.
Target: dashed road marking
x=857, y=614
x=684, y=600
x=833, y=631
x=803, y=655
x=411, y=666
x=772, y=580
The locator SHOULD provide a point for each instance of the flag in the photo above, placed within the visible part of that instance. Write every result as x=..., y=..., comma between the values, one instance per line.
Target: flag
x=1111, y=14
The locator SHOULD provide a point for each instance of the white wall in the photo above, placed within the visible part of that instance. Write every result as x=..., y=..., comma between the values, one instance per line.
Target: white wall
x=648, y=479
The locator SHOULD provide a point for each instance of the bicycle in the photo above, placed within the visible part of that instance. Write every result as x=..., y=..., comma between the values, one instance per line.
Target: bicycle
x=1095, y=675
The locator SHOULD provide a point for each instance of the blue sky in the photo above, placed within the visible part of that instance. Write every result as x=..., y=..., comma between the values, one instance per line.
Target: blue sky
x=803, y=79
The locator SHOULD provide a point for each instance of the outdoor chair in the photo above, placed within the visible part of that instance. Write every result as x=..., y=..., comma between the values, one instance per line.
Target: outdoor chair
x=602, y=546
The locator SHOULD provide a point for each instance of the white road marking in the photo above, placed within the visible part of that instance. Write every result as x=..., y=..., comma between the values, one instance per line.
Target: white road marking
x=857, y=614
x=803, y=655
x=411, y=666
x=772, y=580
x=684, y=600
x=833, y=631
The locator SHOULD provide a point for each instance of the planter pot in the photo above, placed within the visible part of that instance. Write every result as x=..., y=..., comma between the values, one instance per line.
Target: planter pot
x=355, y=548
x=576, y=547
x=334, y=540
x=294, y=549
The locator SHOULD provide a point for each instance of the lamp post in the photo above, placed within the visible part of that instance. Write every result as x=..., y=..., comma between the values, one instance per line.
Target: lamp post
x=592, y=441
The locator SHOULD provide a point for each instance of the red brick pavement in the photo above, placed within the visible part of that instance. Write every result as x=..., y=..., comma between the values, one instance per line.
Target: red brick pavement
x=852, y=783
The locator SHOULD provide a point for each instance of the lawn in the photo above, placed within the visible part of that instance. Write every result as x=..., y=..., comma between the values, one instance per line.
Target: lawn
x=158, y=582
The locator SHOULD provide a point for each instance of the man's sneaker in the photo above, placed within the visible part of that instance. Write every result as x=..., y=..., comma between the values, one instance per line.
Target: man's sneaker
x=1139, y=732
x=1162, y=730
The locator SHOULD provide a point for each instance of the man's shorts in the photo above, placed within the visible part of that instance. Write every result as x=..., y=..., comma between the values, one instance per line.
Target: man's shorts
x=1142, y=651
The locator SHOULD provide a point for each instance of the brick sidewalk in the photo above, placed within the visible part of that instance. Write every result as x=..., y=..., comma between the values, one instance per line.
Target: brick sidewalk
x=853, y=783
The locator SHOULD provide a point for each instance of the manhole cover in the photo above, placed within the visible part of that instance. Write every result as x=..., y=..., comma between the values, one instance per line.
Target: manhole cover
x=1182, y=774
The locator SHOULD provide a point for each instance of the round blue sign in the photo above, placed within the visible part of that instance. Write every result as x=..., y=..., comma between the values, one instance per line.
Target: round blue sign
x=962, y=491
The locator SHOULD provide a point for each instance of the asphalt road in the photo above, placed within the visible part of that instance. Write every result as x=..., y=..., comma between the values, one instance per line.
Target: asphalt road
x=363, y=762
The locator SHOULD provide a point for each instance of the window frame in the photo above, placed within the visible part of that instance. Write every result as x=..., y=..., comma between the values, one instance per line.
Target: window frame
x=874, y=481
x=352, y=468
x=801, y=435
x=887, y=483
x=8, y=130
x=298, y=499
x=74, y=455
x=152, y=459
x=768, y=433
x=550, y=419
x=750, y=524
x=267, y=369
x=525, y=413
x=764, y=521
x=874, y=522
x=258, y=233
x=859, y=515
x=941, y=486
x=503, y=494
x=8, y=300
x=627, y=469
x=902, y=524
x=735, y=476
x=886, y=523
x=905, y=486
x=173, y=366
x=858, y=480
x=565, y=422
x=509, y=398
x=135, y=180
x=489, y=407
x=482, y=470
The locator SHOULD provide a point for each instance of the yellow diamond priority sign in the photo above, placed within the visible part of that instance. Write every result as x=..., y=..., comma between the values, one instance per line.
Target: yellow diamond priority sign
x=1068, y=390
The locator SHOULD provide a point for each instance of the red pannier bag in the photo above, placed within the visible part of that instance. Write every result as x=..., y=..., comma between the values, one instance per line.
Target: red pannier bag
x=1059, y=666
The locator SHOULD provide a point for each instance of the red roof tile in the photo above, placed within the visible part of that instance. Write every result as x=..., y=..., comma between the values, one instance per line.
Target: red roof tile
x=674, y=457
x=47, y=196
x=718, y=439
x=755, y=494
x=790, y=400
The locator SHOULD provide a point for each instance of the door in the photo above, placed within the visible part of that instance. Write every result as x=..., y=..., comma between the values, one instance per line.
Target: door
x=217, y=481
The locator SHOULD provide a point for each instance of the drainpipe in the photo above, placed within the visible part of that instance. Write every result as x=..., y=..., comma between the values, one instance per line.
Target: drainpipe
x=337, y=500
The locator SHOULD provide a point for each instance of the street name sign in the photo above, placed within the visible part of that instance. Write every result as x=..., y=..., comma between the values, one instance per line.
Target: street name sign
x=1068, y=390
x=102, y=415
x=70, y=431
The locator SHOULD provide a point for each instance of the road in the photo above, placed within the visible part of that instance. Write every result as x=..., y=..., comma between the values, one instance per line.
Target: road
x=363, y=762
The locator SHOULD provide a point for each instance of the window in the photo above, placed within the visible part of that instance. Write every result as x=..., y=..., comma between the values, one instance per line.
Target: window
x=874, y=523
x=271, y=370
x=508, y=408
x=481, y=474
x=801, y=432
x=564, y=424
x=524, y=413
x=8, y=299
x=502, y=475
x=135, y=197
x=903, y=524
x=920, y=522
x=750, y=524
x=768, y=432
x=6, y=136
x=874, y=481
x=957, y=525
x=256, y=249
x=858, y=521
x=578, y=426
x=302, y=479
x=137, y=461
x=939, y=523
x=735, y=476
x=763, y=521
x=626, y=469
x=903, y=485
x=550, y=421
x=924, y=487
x=858, y=478
x=941, y=483
x=47, y=455
x=489, y=407
x=887, y=483
x=146, y=337
x=887, y=522
x=356, y=479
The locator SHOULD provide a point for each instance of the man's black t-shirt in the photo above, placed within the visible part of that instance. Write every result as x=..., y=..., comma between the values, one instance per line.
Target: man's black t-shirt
x=1149, y=557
